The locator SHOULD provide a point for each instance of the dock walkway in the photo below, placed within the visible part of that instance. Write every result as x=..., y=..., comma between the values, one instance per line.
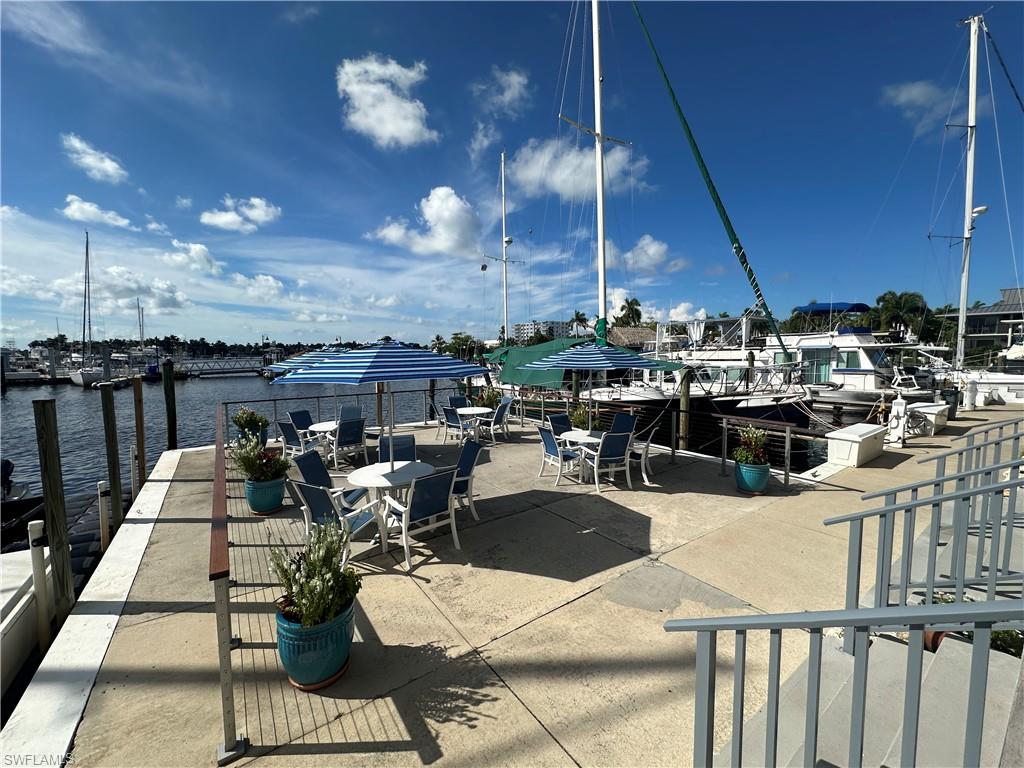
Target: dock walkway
x=539, y=643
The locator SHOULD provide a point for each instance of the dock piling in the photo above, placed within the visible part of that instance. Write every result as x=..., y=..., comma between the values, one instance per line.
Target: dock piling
x=106, y=362
x=684, y=410
x=40, y=587
x=113, y=456
x=133, y=465
x=54, y=513
x=140, y=435
x=167, y=373
x=103, y=493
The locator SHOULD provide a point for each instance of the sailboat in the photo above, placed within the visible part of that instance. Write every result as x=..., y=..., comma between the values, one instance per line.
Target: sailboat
x=88, y=374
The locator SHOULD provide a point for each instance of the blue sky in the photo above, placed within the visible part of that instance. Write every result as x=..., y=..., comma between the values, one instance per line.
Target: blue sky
x=312, y=170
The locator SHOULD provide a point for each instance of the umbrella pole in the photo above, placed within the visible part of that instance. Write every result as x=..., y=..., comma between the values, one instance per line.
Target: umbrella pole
x=391, y=426
x=590, y=404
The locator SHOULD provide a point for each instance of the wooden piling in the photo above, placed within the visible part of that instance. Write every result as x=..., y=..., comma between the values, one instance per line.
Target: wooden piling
x=380, y=406
x=684, y=409
x=140, y=430
x=167, y=373
x=113, y=457
x=54, y=513
x=431, y=393
x=105, y=354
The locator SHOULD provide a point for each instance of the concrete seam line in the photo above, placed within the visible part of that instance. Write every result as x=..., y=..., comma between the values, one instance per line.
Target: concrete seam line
x=46, y=719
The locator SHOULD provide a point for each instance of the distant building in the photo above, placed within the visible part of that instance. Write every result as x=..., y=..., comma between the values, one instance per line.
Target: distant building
x=631, y=338
x=523, y=332
x=992, y=324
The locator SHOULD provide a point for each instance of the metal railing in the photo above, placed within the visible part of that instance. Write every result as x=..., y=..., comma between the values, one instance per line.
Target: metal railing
x=978, y=618
x=986, y=453
x=986, y=431
x=786, y=430
x=233, y=745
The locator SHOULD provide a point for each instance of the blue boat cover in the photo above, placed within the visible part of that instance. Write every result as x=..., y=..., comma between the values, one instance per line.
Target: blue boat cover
x=832, y=308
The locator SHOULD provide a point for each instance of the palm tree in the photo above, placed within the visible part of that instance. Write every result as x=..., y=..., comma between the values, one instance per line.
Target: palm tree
x=906, y=309
x=631, y=314
x=438, y=344
x=580, y=319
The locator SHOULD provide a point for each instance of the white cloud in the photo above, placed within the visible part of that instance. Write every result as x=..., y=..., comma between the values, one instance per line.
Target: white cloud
x=97, y=165
x=296, y=13
x=152, y=225
x=616, y=298
x=183, y=203
x=684, y=310
x=485, y=135
x=78, y=209
x=9, y=212
x=244, y=216
x=921, y=102
x=647, y=256
x=385, y=301
x=450, y=226
x=307, y=316
x=116, y=288
x=558, y=166
x=194, y=256
x=505, y=93
x=260, y=287
x=55, y=26
x=375, y=93
x=17, y=283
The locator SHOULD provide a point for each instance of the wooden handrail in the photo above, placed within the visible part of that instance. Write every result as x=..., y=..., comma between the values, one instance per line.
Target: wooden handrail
x=220, y=564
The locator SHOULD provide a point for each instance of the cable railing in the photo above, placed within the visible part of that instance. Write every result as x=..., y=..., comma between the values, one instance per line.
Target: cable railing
x=978, y=618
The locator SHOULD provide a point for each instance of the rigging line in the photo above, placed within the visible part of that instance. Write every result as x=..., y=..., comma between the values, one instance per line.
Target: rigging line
x=1002, y=63
x=892, y=186
x=1002, y=178
x=567, y=50
x=933, y=215
x=953, y=179
x=942, y=147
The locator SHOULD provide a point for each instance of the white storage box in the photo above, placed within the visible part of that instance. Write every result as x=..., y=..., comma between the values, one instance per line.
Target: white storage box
x=931, y=418
x=855, y=445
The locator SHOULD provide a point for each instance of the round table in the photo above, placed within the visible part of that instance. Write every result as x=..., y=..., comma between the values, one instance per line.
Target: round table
x=379, y=476
x=582, y=437
x=323, y=427
x=473, y=411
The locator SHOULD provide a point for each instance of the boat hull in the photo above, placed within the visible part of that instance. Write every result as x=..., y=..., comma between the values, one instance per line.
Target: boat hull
x=86, y=377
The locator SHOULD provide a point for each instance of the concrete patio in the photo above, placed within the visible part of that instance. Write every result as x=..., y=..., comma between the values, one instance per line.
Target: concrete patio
x=540, y=642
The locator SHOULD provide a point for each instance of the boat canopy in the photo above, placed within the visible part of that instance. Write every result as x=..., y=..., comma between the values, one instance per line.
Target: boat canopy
x=832, y=308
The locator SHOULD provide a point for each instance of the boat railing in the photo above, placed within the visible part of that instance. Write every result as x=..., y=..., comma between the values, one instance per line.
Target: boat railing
x=979, y=619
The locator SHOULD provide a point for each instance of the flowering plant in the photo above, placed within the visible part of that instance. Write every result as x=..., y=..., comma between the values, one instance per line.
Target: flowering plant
x=751, y=449
x=488, y=397
x=247, y=420
x=256, y=462
x=317, y=584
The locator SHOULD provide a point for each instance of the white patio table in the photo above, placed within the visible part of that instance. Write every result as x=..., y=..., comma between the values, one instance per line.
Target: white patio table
x=474, y=412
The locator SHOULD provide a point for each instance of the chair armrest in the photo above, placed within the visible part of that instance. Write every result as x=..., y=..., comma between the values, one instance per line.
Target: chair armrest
x=445, y=469
x=393, y=503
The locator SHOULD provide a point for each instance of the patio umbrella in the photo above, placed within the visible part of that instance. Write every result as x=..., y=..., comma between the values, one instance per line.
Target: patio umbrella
x=383, y=362
x=306, y=359
x=593, y=357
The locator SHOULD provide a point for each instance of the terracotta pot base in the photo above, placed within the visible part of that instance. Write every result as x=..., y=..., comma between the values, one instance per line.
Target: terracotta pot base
x=323, y=683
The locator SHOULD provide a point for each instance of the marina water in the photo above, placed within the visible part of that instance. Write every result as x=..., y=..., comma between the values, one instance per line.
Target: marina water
x=80, y=419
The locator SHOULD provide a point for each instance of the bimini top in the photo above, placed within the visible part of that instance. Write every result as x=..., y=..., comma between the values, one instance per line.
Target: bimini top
x=832, y=308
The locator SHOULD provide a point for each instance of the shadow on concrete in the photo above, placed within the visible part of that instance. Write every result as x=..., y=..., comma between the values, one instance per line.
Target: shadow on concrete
x=892, y=459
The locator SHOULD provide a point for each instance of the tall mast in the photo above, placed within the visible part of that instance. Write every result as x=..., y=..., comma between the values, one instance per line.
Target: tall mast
x=142, y=334
x=602, y=298
x=505, y=243
x=85, y=295
x=969, y=214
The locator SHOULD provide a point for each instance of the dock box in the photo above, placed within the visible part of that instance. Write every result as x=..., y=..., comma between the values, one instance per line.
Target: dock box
x=855, y=445
x=927, y=418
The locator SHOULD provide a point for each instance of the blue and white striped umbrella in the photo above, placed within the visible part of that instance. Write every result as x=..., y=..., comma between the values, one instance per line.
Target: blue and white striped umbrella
x=383, y=362
x=591, y=357
x=306, y=359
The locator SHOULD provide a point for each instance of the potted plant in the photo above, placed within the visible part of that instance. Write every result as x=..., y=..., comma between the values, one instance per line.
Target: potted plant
x=265, y=472
x=250, y=423
x=752, y=469
x=580, y=416
x=489, y=397
x=314, y=618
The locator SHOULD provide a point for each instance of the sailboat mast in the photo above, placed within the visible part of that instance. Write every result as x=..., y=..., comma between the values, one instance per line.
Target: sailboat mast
x=602, y=298
x=972, y=114
x=505, y=243
x=85, y=295
x=142, y=336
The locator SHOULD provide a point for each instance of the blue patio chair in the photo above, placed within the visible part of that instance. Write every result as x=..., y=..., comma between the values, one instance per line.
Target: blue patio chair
x=293, y=442
x=458, y=401
x=455, y=423
x=429, y=497
x=349, y=439
x=554, y=453
x=350, y=412
x=611, y=456
x=313, y=471
x=462, y=490
x=301, y=420
x=623, y=422
x=498, y=420
x=639, y=453
x=405, y=448
x=560, y=423
x=320, y=507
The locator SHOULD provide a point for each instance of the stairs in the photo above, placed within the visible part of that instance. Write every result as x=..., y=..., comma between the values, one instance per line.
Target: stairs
x=943, y=706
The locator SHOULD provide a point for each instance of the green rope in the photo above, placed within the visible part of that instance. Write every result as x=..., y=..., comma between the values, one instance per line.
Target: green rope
x=734, y=239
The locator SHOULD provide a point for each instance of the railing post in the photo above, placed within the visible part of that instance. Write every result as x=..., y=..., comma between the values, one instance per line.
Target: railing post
x=54, y=512
x=543, y=418
x=725, y=445
x=975, y=719
x=853, y=555
x=704, y=703
x=167, y=372
x=103, y=494
x=788, y=454
x=133, y=465
x=673, y=438
x=232, y=747
x=40, y=585
x=860, y=684
x=140, y=432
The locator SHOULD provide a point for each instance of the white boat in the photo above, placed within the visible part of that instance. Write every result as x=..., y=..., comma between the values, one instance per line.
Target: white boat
x=19, y=633
x=86, y=377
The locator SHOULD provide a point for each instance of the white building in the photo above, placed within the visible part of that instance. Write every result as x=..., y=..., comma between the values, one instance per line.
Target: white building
x=523, y=332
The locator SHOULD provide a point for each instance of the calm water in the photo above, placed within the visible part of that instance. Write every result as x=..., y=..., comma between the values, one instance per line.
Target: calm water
x=80, y=419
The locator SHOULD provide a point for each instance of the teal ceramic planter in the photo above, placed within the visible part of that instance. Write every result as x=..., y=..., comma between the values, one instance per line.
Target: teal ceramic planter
x=315, y=657
x=752, y=478
x=266, y=496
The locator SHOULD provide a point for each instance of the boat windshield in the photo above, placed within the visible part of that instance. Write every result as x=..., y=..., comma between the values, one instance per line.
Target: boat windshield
x=878, y=358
